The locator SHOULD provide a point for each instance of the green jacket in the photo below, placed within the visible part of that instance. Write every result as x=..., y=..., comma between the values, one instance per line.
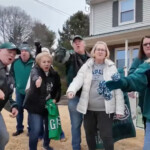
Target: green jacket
x=133, y=67
x=136, y=81
x=136, y=64
x=21, y=72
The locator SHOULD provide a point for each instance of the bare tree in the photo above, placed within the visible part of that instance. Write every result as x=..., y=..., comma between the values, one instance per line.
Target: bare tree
x=41, y=33
x=15, y=24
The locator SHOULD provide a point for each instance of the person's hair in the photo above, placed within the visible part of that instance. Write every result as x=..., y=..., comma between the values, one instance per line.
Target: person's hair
x=141, y=53
x=45, y=49
x=41, y=55
x=95, y=46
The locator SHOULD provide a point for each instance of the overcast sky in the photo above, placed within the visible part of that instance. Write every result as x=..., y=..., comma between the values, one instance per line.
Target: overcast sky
x=50, y=15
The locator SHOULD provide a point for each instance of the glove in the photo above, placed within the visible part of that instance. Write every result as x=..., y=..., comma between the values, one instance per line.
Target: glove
x=103, y=90
x=102, y=86
x=107, y=94
x=60, y=54
x=116, y=76
x=112, y=85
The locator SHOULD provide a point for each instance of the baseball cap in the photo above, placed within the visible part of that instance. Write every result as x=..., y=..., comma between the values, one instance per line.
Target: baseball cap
x=25, y=46
x=77, y=37
x=9, y=46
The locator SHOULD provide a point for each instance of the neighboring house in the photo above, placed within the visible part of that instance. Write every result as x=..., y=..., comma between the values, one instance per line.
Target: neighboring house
x=121, y=24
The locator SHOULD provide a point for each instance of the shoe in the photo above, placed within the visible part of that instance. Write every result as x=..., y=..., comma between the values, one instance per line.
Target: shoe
x=40, y=139
x=27, y=134
x=17, y=133
x=47, y=148
x=63, y=140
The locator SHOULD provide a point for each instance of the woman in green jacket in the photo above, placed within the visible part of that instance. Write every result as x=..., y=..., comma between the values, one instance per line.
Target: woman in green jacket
x=138, y=81
x=144, y=53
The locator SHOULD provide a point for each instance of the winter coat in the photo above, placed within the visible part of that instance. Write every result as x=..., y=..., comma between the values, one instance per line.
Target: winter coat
x=136, y=63
x=73, y=65
x=6, y=85
x=73, y=62
x=84, y=79
x=21, y=72
x=139, y=81
x=35, y=99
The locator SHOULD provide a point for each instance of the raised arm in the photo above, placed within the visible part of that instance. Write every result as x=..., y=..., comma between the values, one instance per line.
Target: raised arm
x=137, y=81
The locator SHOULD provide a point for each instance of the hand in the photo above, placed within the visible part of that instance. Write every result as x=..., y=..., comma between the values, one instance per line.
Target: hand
x=14, y=113
x=38, y=82
x=54, y=101
x=118, y=116
x=2, y=95
x=70, y=95
x=132, y=94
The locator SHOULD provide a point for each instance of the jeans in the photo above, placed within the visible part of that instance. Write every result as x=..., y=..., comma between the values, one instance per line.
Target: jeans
x=76, y=122
x=20, y=100
x=62, y=135
x=35, y=123
x=102, y=121
x=41, y=135
x=4, y=136
x=147, y=137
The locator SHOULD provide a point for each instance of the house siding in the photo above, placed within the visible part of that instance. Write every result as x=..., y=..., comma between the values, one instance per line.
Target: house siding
x=101, y=18
x=102, y=14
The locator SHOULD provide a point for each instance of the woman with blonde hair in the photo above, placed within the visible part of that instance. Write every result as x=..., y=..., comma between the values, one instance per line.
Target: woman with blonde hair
x=44, y=84
x=98, y=109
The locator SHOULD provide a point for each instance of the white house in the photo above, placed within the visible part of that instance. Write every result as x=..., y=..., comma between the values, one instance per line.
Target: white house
x=121, y=24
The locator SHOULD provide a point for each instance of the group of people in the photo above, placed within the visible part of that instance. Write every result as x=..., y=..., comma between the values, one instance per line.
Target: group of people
x=44, y=84
x=88, y=100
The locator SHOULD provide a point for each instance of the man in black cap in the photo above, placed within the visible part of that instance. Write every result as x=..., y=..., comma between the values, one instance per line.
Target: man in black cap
x=73, y=60
x=24, y=65
x=8, y=52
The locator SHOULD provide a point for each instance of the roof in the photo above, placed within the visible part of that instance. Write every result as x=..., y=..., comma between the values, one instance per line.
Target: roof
x=119, y=37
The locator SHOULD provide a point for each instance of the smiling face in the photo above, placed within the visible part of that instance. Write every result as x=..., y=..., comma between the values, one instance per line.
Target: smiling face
x=45, y=63
x=100, y=53
x=7, y=56
x=146, y=47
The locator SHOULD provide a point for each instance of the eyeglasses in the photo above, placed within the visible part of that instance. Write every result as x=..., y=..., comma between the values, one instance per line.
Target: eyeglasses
x=146, y=44
x=98, y=49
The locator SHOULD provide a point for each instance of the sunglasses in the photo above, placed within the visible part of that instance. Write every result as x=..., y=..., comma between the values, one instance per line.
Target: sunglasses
x=146, y=44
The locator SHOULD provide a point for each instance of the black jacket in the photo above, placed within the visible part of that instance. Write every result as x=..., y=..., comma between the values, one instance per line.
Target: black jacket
x=73, y=65
x=35, y=99
x=6, y=85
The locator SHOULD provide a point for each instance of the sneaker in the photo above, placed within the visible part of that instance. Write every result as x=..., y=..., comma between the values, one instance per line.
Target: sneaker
x=47, y=148
x=63, y=140
x=17, y=133
x=40, y=139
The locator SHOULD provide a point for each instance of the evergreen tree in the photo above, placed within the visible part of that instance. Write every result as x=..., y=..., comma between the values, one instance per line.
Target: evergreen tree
x=77, y=24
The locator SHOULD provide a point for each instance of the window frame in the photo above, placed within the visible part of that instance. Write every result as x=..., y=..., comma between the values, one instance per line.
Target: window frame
x=130, y=54
x=134, y=14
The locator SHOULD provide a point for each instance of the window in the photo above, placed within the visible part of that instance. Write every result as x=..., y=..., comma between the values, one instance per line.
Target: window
x=135, y=53
x=126, y=11
x=120, y=58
